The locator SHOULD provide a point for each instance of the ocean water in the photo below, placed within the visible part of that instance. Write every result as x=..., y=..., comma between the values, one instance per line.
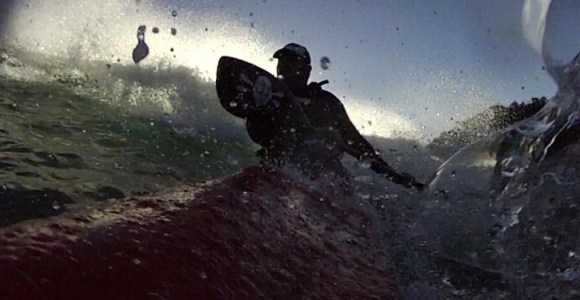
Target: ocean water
x=498, y=221
x=88, y=132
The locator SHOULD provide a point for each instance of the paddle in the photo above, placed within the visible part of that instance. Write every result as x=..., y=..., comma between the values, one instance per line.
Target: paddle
x=238, y=83
x=381, y=167
x=404, y=179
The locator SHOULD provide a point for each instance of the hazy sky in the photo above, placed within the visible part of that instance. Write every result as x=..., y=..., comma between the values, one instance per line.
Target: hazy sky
x=416, y=57
x=426, y=63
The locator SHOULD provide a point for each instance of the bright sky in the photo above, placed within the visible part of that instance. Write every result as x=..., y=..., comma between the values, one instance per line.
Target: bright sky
x=422, y=63
x=429, y=61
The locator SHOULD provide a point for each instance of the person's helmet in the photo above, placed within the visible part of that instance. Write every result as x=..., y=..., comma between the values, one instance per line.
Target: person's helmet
x=295, y=51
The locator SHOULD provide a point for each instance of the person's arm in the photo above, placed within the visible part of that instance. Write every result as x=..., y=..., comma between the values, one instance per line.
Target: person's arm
x=357, y=146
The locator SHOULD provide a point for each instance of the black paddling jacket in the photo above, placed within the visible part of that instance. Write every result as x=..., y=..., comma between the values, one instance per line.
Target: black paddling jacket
x=324, y=112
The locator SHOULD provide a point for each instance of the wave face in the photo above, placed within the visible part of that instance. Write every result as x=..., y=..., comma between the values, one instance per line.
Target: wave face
x=82, y=123
x=71, y=134
x=258, y=234
x=519, y=186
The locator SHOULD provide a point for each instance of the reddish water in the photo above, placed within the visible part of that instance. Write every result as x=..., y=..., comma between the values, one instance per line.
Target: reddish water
x=257, y=234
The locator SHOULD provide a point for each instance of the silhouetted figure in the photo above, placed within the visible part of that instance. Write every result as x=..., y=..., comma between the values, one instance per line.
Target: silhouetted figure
x=142, y=50
x=315, y=136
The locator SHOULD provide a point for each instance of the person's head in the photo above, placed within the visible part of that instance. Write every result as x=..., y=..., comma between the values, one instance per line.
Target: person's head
x=294, y=65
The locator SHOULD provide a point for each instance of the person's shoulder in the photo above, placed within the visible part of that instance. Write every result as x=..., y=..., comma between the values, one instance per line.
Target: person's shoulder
x=329, y=95
x=316, y=89
x=331, y=100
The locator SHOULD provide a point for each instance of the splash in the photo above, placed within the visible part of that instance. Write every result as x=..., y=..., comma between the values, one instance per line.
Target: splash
x=510, y=200
x=519, y=149
x=105, y=31
x=533, y=21
x=371, y=120
x=561, y=42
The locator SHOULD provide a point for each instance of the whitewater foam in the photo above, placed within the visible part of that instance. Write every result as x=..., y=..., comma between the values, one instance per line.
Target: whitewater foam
x=106, y=31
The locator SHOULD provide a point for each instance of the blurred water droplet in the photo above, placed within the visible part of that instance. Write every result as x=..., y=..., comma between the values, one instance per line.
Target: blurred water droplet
x=325, y=63
x=55, y=205
x=141, y=50
x=174, y=13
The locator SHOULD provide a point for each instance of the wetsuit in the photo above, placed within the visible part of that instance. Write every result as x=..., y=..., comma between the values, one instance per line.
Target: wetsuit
x=316, y=147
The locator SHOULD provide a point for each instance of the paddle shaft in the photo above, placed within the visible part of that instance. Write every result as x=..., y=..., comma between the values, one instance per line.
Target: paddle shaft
x=383, y=168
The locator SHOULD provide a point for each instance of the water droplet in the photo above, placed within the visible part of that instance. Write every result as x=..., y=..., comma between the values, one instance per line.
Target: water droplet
x=233, y=104
x=324, y=63
x=365, y=164
x=55, y=205
x=203, y=275
x=174, y=13
x=141, y=50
